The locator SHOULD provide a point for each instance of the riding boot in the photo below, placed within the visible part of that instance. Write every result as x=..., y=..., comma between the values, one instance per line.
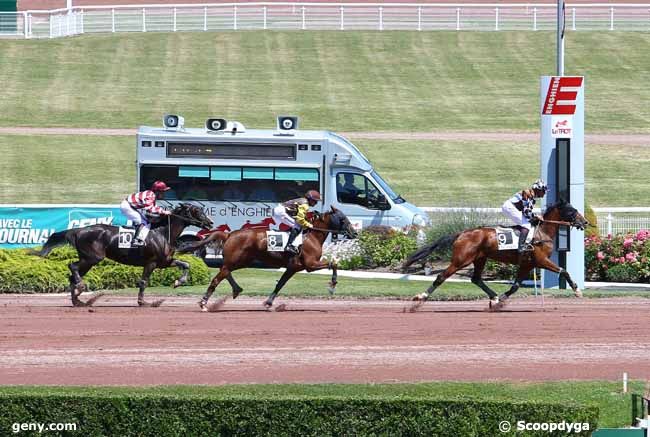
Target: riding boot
x=137, y=239
x=292, y=236
x=522, y=248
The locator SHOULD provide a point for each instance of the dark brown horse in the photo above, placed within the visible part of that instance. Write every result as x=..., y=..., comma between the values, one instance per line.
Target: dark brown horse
x=244, y=247
x=96, y=242
x=478, y=245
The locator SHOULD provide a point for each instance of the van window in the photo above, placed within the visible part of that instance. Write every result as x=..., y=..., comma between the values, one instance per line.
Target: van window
x=356, y=189
x=230, y=183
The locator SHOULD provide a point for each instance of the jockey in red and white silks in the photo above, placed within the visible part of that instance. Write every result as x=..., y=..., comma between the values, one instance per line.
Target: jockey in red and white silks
x=137, y=205
x=519, y=208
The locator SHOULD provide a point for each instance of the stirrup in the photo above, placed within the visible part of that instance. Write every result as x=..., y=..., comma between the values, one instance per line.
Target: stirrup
x=137, y=243
x=293, y=250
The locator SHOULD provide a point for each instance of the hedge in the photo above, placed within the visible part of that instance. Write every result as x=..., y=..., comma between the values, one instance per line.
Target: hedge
x=162, y=415
x=21, y=272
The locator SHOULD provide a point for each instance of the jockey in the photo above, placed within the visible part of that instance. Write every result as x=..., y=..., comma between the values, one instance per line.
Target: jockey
x=519, y=208
x=294, y=213
x=137, y=206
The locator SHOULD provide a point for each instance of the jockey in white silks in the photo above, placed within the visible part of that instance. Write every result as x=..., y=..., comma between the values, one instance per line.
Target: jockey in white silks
x=519, y=208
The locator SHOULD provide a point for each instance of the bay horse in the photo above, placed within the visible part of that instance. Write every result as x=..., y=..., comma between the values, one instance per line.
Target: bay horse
x=244, y=247
x=96, y=242
x=478, y=245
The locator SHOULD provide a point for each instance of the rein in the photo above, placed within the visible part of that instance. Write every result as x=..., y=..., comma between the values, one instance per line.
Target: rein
x=557, y=222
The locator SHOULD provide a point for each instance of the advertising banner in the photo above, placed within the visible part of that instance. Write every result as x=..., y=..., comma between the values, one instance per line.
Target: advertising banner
x=30, y=226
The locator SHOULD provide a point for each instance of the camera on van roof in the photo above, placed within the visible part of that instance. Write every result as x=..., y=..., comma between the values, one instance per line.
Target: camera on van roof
x=287, y=122
x=173, y=122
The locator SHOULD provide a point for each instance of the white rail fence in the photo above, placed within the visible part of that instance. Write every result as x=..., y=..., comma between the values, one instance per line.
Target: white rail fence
x=611, y=221
x=320, y=16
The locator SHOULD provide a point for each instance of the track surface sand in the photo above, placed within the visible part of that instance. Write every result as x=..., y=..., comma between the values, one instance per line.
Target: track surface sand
x=45, y=341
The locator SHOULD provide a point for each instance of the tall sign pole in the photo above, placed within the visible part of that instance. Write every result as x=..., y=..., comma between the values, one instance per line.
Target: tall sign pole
x=562, y=156
x=561, y=21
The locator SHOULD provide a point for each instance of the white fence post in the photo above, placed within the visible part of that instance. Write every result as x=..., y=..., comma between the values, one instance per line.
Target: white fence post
x=496, y=19
x=264, y=9
x=419, y=18
x=113, y=20
x=611, y=18
x=82, y=21
x=205, y=18
x=342, y=26
x=234, y=17
x=573, y=19
x=535, y=19
x=25, y=32
x=457, y=18
x=303, y=18
x=144, y=20
x=381, y=18
x=174, y=19
x=610, y=220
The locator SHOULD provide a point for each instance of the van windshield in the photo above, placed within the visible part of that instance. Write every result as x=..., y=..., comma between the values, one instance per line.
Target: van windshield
x=394, y=196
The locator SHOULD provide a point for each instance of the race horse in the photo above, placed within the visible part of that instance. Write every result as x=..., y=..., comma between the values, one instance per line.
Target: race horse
x=96, y=242
x=244, y=247
x=478, y=245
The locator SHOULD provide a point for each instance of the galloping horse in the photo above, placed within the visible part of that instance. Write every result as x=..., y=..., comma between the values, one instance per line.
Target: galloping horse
x=478, y=245
x=243, y=247
x=96, y=242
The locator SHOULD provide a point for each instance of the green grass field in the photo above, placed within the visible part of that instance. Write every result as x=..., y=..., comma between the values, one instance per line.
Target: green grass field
x=343, y=81
x=615, y=407
x=89, y=169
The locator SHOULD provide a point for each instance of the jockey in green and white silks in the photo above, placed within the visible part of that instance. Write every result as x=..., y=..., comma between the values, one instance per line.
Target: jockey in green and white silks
x=519, y=208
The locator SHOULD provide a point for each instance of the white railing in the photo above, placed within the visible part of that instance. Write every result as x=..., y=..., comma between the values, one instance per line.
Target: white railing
x=611, y=221
x=321, y=16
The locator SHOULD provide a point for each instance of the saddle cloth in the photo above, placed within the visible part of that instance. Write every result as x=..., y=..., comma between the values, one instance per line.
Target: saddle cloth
x=125, y=237
x=508, y=237
x=276, y=241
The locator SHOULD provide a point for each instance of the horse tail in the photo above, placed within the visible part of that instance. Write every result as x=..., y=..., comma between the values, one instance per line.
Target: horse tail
x=55, y=240
x=218, y=237
x=427, y=250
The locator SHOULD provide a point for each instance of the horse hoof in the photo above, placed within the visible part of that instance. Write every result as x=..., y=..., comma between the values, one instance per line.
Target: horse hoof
x=578, y=292
x=177, y=283
x=236, y=292
x=204, y=308
x=280, y=308
x=331, y=289
x=420, y=297
x=267, y=305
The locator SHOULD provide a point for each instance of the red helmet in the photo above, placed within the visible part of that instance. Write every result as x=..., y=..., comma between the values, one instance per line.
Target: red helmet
x=159, y=186
x=312, y=195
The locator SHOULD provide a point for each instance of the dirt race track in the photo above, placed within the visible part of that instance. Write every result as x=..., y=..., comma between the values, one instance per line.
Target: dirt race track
x=44, y=341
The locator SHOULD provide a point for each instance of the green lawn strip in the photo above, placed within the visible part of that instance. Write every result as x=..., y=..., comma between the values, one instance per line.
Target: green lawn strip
x=344, y=81
x=93, y=169
x=257, y=282
x=615, y=407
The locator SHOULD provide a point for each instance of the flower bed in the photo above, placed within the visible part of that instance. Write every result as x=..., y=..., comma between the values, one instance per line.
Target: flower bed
x=620, y=258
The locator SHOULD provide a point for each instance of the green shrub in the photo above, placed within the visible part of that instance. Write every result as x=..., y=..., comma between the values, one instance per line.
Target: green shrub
x=382, y=246
x=148, y=414
x=590, y=215
x=21, y=272
x=623, y=273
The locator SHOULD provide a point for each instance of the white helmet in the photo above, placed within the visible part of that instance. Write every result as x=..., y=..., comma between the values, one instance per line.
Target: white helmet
x=539, y=185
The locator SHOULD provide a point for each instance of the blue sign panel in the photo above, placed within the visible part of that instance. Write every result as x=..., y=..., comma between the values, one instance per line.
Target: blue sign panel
x=31, y=226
